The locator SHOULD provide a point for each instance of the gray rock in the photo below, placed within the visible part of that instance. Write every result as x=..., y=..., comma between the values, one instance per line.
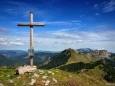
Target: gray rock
x=36, y=75
x=44, y=77
x=55, y=80
x=10, y=81
x=24, y=69
x=1, y=84
x=47, y=82
x=100, y=54
x=32, y=82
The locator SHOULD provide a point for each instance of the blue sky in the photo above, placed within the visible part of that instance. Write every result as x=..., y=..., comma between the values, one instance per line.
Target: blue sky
x=68, y=24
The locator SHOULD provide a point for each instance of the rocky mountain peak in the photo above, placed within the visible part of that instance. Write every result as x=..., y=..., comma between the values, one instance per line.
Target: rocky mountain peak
x=100, y=53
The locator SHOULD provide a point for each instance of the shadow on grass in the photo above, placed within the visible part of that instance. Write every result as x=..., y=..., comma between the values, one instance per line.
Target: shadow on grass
x=76, y=67
x=104, y=66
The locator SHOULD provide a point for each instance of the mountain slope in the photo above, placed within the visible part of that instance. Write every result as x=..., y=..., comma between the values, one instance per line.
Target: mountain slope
x=12, y=53
x=67, y=56
x=18, y=57
x=57, y=60
x=72, y=61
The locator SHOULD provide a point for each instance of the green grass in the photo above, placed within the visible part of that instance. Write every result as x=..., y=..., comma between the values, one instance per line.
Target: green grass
x=63, y=78
x=6, y=73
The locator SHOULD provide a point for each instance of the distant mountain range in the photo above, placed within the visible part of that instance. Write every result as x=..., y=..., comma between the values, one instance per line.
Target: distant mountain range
x=14, y=53
x=19, y=57
x=12, y=57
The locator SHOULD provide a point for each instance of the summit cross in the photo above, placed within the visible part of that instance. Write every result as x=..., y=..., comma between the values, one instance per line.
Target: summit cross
x=31, y=50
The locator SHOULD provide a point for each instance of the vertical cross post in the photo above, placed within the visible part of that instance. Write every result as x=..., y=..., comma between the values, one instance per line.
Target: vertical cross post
x=31, y=50
x=31, y=37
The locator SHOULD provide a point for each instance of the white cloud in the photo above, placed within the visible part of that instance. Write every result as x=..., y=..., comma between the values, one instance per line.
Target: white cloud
x=79, y=41
x=64, y=43
x=65, y=35
x=68, y=41
x=109, y=6
x=69, y=23
x=27, y=41
x=2, y=39
x=36, y=41
x=16, y=43
x=101, y=35
x=96, y=5
x=105, y=7
x=97, y=14
x=4, y=30
x=72, y=42
x=4, y=43
x=24, y=10
x=67, y=38
x=18, y=39
x=7, y=42
x=56, y=42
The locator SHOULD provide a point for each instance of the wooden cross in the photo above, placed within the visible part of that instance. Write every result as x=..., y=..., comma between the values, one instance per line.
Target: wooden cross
x=31, y=50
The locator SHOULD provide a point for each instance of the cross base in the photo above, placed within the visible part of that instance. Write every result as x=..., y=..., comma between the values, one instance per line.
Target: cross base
x=25, y=68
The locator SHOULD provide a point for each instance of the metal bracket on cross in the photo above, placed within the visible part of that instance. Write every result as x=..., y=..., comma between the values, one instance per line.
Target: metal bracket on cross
x=31, y=52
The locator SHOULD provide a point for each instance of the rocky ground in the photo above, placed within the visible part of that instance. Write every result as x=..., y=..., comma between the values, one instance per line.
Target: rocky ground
x=52, y=77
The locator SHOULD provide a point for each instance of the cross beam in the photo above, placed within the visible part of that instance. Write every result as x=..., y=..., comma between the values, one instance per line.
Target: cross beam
x=30, y=24
x=31, y=36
